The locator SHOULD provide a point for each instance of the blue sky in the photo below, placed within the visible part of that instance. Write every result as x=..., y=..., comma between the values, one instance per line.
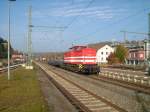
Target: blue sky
x=85, y=21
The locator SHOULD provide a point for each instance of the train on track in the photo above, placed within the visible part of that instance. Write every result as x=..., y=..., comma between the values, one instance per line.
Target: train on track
x=80, y=59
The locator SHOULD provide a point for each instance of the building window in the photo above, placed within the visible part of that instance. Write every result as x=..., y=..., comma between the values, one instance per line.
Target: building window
x=102, y=59
x=101, y=52
x=130, y=56
x=134, y=55
x=106, y=53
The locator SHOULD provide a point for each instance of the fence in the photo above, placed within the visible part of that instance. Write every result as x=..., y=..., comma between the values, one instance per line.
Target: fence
x=142, y=80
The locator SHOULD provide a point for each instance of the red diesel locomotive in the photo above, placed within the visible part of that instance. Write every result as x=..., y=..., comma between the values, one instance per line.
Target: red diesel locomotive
x=81, y=59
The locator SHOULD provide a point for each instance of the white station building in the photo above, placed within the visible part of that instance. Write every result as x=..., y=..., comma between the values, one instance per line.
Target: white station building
x=103, y=53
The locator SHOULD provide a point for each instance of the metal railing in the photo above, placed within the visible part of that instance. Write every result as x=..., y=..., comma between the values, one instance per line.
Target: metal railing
x=141, y=80
x=4, y=69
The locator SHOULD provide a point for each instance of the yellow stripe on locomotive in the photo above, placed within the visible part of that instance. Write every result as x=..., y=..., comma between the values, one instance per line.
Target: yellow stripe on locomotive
x=80, y=66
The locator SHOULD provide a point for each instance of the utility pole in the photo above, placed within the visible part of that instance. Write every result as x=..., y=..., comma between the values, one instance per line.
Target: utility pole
x=149, y=36
x=125, y=37
x=149, y=28
x=148, y=45
x=147, y=41
x=29, y=40
x=8, y=44
x=124, y=34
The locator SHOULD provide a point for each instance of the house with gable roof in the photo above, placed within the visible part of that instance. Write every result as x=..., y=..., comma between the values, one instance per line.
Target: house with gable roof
x=103, y=51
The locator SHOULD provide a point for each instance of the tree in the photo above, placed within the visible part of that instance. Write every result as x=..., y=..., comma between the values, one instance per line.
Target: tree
x=1, y=40
x=112, y=59
x=121, y=53
x=3, y=48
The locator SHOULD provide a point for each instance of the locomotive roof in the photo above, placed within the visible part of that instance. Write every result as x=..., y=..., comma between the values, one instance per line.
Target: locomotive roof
x=76, y=47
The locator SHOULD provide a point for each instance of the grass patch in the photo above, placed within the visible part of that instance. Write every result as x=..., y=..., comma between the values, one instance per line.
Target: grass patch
x=22, y=93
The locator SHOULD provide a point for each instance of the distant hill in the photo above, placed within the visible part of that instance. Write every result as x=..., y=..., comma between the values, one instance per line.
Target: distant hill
x=59, y=55
x=99, y=45
x=50, y=55
x=128, y=44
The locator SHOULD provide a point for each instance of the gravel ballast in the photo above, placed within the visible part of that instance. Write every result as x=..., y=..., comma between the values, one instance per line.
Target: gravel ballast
x=129, y=100
x=56, y=101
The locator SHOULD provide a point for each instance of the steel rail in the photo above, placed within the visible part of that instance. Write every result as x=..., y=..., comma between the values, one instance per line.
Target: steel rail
x=76, y=101
x=128, y=85
x=4, y=69
x=131, y=86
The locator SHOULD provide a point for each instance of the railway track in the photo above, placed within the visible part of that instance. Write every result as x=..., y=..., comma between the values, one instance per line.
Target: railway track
x=129, y=84
x=83, y=99
x=4, y=69
x=136, y=83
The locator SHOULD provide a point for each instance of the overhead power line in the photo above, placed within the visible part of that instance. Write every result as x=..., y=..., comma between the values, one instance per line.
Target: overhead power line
x=125, y=34
x=57, y=21
x=116, y=22
x=76, y=17
x=120, y=20
x=135, y=32
x=53, y=27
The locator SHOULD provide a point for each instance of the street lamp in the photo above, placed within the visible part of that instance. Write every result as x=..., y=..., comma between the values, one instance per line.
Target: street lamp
x=8, y=54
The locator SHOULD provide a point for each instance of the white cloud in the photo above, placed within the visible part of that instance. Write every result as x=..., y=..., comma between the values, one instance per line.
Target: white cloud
x=97, y=12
